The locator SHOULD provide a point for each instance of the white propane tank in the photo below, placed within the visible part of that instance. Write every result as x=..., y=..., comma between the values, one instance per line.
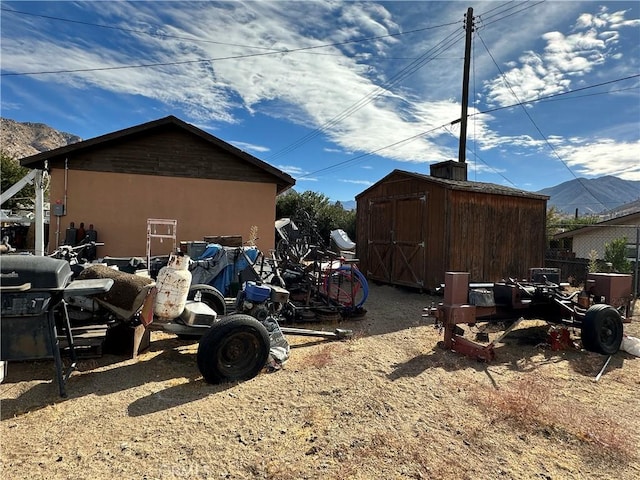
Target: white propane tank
x=172, y=285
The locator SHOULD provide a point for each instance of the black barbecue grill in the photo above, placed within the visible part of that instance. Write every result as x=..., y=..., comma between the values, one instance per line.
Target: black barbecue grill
x=33, y=308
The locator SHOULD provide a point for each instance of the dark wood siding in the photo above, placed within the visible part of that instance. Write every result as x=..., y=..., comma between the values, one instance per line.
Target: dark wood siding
x=155, y=153
x=495, y=236
x=490, y=235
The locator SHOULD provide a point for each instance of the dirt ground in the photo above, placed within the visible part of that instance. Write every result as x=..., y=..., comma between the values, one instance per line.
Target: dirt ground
x=386, y=404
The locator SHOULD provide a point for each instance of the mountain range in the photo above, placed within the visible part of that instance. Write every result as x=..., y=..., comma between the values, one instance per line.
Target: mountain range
x=588, y=196
x=23, y=139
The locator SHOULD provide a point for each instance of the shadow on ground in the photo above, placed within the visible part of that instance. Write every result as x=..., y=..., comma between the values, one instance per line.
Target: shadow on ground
x=524, y=350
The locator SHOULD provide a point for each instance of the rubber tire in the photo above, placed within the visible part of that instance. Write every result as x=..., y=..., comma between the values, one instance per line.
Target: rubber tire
x=602, y=329
x=210, y=296
x=234, y=349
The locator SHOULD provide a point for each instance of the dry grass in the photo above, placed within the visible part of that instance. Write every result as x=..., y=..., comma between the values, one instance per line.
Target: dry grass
x=529, y=404
x=387, y=404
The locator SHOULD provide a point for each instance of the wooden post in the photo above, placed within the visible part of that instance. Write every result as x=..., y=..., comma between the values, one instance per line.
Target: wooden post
x=465, y=87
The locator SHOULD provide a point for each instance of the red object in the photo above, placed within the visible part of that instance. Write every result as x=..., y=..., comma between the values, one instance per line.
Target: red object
x=559, y=338
x=484, y=353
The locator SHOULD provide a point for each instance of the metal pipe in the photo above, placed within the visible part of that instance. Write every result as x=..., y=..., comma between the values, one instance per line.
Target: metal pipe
x=635, y=281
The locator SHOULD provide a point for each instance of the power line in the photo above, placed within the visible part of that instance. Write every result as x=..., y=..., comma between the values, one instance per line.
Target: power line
x=504, y=78
x=371, y=152
x=445, y=125
x=548, y=98
x=346, y=113
x=377, y=92
x=186, y=62
x=482, y=20
x=496, y=8
x=201, y=40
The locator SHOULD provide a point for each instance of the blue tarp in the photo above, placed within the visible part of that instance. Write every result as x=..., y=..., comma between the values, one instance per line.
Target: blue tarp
x=219, y=266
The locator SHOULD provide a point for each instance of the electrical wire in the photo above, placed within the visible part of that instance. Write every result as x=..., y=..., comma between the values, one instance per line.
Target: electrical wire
x=542, y=135
x=195, y=39
x=371, y=152
x=483, y=20
x=551, y=98
x=445, y=125
x=206, y=60
x=376, y=93
x=496, y=8
x=348, y=112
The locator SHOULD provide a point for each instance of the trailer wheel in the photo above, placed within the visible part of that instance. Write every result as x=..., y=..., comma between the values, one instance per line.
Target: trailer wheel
x=234, y=349
x=602, y=329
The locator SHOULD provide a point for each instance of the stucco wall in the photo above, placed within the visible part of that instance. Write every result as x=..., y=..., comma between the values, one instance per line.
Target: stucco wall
x=118, y=205
x=598, y=237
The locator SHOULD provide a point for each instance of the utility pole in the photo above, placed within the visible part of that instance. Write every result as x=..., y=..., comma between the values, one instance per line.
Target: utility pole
x=465, y=86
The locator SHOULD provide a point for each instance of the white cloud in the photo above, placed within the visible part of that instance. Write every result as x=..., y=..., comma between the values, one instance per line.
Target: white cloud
x=356, y=182
x=250, y=147
x=298, y=173
x=594, y=158
x=291, y=169
x=563, y=58
x=404, y=122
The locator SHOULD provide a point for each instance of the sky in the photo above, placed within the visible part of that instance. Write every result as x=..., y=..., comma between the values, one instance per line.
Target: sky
x=340, y=93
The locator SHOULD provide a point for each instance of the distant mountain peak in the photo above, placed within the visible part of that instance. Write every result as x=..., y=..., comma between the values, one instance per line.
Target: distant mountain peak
x=592, y=196
x=23, y=139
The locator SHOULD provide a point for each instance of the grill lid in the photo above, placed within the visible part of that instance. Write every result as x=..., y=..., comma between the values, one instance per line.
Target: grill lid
x=43, y=273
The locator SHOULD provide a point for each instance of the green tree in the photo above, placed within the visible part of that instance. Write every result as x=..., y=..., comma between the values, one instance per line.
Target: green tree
x=615, y=253
x=326, y=215
x=11, y=172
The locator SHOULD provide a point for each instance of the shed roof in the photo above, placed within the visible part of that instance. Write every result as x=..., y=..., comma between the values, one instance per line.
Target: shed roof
x=489, y=188
x=282, y=179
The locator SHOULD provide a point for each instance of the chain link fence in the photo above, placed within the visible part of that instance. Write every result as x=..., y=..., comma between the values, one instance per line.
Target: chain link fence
x=597, y=247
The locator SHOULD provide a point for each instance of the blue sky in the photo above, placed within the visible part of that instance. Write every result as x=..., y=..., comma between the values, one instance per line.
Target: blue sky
x=340, y=93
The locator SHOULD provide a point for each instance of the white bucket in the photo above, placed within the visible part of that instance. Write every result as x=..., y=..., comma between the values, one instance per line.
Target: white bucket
x=172, y=286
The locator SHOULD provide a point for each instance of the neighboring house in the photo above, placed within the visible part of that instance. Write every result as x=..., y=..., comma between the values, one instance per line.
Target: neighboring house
x=412, y=228
x=164, y=169
x=594, y=238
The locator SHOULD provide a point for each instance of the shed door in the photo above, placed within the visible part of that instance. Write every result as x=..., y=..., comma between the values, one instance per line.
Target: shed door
x=379, y=248
x=396, y=252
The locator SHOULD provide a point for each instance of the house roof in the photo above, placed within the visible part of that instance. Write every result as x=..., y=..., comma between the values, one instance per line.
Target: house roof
x=490, y=188
x=630, y=220
x=282, y=179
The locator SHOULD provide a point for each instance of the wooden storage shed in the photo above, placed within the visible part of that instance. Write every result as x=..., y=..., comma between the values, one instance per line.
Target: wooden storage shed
x=164, y=169
x=412, y=228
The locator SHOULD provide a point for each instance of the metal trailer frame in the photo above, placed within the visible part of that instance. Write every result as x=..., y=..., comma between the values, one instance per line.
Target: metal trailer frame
x=515, y=300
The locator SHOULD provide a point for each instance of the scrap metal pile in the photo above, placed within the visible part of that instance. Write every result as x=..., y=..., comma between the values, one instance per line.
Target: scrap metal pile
x=599, y=310
x=323, y=285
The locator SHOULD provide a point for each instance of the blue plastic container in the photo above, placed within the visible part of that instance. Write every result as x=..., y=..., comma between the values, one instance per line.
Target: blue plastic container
x=256, y=293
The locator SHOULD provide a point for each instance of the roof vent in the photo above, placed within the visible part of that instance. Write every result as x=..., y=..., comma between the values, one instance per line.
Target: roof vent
x=450, y=170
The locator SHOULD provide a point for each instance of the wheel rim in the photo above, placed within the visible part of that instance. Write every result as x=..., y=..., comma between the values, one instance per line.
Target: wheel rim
x=238, y=353
x=608, y=331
